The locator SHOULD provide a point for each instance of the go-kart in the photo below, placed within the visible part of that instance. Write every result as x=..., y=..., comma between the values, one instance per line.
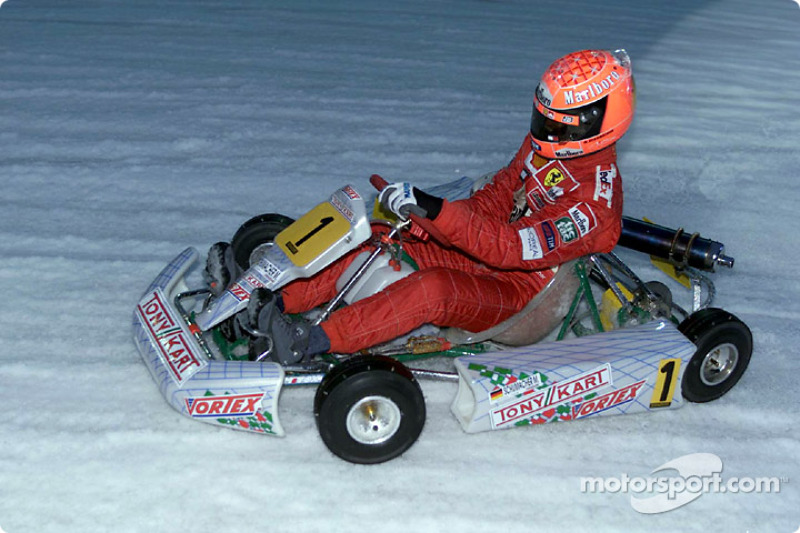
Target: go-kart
x=596, y=341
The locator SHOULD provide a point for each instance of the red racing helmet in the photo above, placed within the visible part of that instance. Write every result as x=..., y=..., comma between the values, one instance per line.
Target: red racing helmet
x=583, y=103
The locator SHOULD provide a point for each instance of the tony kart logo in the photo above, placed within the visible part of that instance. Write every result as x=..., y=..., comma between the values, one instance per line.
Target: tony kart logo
x=169, y=338
x=558, y=393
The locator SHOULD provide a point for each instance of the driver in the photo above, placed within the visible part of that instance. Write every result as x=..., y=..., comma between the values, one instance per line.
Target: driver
x=559, y=198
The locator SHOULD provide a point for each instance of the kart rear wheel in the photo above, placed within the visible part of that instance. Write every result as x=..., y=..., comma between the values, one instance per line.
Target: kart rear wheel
x=369, y=410
x=255, y=235
x=724, y=345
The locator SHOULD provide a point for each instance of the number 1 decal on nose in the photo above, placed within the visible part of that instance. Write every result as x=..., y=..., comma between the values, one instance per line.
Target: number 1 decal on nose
x=312, y=234
x=322, y=223
x=666, y=379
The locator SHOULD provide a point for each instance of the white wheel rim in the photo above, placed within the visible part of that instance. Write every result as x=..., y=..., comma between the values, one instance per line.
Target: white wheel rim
x=718, y=364
x=373, y=420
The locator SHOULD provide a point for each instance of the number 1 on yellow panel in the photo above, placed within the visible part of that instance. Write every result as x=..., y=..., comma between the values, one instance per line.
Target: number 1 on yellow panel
x=666, y=378
x=312, y=234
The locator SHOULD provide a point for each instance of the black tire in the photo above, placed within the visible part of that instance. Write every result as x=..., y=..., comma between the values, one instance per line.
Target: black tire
x=369, y=410
x=724, y=346
x=255, y=232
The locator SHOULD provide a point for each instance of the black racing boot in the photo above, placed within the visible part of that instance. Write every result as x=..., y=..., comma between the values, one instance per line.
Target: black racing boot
x=221, y=267
x=282, y=340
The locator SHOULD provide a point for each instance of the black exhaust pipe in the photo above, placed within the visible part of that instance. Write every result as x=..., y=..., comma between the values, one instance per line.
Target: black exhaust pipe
x=675, y=245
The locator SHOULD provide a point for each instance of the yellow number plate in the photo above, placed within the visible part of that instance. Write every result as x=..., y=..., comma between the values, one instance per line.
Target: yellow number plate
x=665, y=383
x=312, y=234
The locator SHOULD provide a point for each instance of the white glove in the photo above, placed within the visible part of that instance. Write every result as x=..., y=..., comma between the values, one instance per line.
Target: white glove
x=399, y=199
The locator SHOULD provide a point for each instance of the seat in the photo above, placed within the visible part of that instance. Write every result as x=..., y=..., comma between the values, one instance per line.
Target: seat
x=536, y=320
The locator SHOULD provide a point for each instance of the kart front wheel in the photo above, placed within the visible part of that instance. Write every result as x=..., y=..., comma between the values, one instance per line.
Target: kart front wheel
x=254, y=236
x=724, y=345
x=369, y=410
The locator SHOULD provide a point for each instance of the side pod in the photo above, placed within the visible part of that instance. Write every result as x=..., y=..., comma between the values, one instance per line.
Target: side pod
x=624, y=371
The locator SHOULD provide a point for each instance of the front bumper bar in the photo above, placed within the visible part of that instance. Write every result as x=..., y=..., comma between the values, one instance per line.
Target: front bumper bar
x=238, y=394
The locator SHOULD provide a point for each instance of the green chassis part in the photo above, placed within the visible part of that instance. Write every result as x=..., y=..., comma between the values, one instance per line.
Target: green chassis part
x=227, y=348
x=584, y=292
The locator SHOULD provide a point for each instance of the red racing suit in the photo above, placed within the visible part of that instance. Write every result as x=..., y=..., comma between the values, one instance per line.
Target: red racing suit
x=504, y=240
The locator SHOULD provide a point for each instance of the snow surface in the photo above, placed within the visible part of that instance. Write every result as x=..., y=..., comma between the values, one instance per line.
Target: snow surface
x=129, y=130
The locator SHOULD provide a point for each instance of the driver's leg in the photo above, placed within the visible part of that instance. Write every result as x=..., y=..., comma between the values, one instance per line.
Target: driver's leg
x=441, y=296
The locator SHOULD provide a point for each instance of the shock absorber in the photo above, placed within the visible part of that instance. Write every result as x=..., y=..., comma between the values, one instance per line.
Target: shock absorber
x=677, y=246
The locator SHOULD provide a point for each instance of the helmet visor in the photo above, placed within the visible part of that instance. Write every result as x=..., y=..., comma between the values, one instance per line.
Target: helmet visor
x=553, y=126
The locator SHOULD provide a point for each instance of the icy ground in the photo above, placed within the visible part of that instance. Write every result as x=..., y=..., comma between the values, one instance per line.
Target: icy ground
x=131, y=129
